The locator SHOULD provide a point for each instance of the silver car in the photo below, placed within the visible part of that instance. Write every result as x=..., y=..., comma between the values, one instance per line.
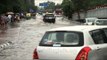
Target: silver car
x=90, y=21
x=100, y=22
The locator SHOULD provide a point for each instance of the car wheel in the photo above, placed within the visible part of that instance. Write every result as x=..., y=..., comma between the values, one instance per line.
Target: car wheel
x=53, y=22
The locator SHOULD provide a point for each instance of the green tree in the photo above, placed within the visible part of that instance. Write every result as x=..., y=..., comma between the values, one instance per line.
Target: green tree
x=77, y=6
x=16, y=5
x=58, y=6
x=50, y=7
x=71, y=6
x=67, y=7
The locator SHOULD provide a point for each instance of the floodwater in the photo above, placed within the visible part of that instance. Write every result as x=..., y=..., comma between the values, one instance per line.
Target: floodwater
x=25, y=36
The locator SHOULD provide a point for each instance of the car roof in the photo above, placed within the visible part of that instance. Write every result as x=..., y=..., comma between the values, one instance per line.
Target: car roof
x=101, y=19
x=91, y=18
x=78, y=28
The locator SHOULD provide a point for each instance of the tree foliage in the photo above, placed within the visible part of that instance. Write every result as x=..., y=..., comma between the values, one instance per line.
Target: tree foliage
x=58, y=6
x=80, y=5
x=15, y=5
x=67, y=7
x=51, y=5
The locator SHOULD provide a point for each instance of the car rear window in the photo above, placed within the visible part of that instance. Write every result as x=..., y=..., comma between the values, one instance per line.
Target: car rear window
x=91, y=20
x=62, y=38
x=49, y=15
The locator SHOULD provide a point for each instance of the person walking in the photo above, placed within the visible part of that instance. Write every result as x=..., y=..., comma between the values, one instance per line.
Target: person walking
x=9, y=17
x=3, y=22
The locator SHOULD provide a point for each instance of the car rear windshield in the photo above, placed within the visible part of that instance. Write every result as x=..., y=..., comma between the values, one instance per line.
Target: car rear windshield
x=49, y=15
x=62, y=38
x=92, y=20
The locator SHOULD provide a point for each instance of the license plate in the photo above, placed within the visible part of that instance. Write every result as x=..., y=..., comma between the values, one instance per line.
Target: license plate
x=50, y=17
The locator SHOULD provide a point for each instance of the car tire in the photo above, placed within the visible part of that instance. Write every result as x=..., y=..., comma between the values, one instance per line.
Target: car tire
x=53, y=22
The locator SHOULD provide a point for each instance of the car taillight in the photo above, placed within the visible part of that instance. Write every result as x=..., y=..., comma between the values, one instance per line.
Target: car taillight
x=35, y=54
x=83, y=54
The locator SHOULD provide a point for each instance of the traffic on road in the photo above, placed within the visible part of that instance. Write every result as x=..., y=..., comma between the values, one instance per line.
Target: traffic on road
x=53, y=30
x=25, y=37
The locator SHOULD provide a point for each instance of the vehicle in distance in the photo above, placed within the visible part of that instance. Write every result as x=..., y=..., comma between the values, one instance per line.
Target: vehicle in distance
x=100, y=22
x=73, y=43
x=90, y=21
x=49, y=17
x=58, y=12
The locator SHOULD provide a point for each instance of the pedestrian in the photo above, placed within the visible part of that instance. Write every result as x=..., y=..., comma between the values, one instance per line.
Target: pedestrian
x=21, y=15
x=3, y=22
x=17, y=18
x=9, y=17
x=0, y=22
x=12, y=20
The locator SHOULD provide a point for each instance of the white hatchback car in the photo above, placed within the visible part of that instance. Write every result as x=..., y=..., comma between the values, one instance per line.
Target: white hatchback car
x=73, y=43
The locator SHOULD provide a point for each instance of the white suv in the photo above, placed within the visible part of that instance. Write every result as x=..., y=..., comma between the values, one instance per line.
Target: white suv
x=90, y=21
x=100, y=22
x=73, y=43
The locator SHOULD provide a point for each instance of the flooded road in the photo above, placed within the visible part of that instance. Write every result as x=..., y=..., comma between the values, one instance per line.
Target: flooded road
x=25, y=37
